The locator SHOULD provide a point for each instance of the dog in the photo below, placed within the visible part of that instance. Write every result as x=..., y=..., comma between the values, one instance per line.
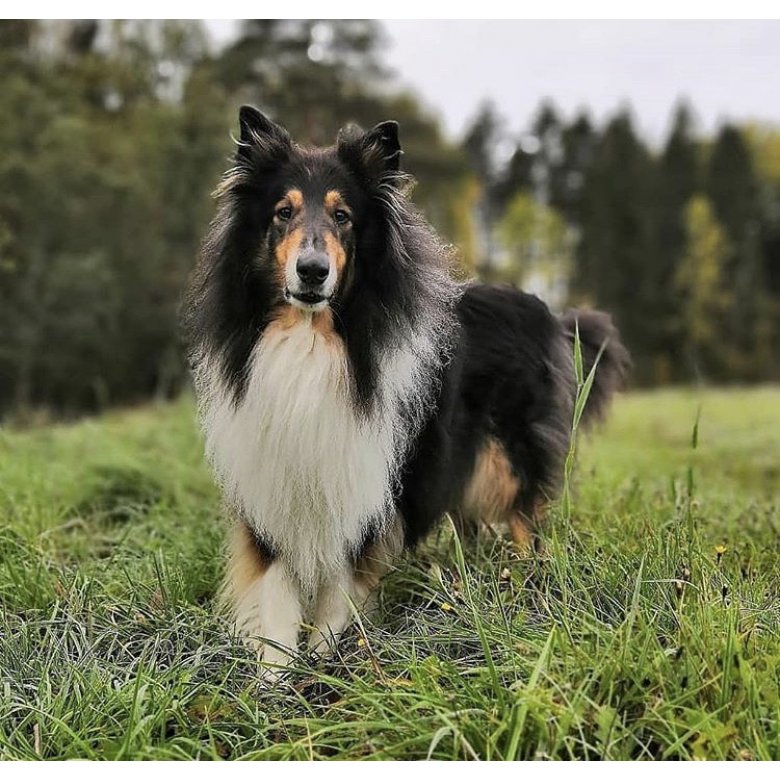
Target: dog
x=352, y=393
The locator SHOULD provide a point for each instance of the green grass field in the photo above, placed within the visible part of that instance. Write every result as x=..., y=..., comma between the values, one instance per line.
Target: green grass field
x=649, y=628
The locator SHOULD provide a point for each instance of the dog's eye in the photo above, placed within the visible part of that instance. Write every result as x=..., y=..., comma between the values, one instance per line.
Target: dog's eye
x=341, y=216
x=284, y=213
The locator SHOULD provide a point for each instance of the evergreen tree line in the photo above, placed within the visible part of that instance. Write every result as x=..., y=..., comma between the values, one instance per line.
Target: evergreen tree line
x=114, y=134
x=681, y=244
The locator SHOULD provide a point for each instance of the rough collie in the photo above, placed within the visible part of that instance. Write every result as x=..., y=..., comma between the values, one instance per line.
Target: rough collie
x=352, y=393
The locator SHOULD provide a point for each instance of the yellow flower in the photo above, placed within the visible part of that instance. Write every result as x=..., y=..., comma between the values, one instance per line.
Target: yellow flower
x=720, y=549
x=446, y=606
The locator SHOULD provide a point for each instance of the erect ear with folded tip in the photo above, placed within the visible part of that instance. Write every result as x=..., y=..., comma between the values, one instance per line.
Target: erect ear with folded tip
x=385, y=137
x=259, y=133
x=376, y=152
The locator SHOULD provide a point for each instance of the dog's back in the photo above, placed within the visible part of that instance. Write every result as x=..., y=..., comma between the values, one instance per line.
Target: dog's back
x=495, y=450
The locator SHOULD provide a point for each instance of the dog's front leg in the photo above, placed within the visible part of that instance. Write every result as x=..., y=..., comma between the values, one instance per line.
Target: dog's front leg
x=355, y=586
x=264, y=600
x=333, y=611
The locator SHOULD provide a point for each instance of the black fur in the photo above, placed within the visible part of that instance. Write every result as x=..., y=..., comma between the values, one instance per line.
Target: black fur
x=505, y=368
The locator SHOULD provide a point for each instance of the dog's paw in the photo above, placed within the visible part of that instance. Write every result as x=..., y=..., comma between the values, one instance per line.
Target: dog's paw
x=322, y=644
x=274, y=666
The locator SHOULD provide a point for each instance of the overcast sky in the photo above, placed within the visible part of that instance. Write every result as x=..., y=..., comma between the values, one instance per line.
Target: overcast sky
x=728, y=69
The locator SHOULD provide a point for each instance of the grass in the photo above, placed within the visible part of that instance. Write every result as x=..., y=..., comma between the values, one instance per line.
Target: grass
x=649, y=628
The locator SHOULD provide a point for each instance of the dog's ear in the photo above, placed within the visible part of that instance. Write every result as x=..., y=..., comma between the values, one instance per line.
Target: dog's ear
x=383, y=142
x=260, y=136
x=374, y=153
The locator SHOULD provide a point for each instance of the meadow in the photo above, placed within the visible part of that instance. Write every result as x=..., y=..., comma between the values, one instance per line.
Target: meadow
x=649, y=626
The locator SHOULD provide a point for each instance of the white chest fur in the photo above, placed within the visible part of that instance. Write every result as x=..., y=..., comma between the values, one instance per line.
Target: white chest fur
x=309, y=471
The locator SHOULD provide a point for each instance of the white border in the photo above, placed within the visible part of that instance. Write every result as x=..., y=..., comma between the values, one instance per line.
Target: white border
x=404, y=9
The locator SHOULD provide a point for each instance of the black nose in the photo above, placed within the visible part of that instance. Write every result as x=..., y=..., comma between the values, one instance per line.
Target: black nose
x=313, y=268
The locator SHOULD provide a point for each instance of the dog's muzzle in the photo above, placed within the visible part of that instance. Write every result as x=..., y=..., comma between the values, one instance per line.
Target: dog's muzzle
x=311, y=286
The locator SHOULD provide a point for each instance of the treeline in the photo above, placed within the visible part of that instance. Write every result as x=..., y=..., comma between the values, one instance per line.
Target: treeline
x=113, y=135
x=681, y=244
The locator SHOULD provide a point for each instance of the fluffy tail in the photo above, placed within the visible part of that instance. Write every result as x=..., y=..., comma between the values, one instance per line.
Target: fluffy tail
x=599, y=339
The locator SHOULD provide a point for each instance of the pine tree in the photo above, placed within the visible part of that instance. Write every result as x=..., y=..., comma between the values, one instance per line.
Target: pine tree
x=616, y=250
x=699, y=280
x=479, y=143
x=733, y=188
x=678, y=181
x=578, y=141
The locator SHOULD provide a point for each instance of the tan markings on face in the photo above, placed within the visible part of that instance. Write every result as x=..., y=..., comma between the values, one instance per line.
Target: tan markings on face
x=336, y=253
x=287, y=249
x=335, y=200
x=295, y=199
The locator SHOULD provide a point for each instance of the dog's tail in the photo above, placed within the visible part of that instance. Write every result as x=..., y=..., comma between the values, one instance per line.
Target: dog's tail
x=599, y=341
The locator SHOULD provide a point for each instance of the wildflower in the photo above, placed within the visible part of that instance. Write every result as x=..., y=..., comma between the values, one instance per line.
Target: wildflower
x=446, y=606
x=719, y=550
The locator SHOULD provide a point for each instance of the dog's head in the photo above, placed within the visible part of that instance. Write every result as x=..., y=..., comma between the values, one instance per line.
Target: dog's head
x=309, y=210
x=327, y=235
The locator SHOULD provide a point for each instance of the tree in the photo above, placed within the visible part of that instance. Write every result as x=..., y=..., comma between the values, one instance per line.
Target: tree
x=733, y=188
x=539, y=246
x=547, y=174
x=103, y=196
x=479, y=144
x=578, y=141
x=617, y=247
x=699, y=282
x=764, y=144
x=310, y=74
x=678, y=180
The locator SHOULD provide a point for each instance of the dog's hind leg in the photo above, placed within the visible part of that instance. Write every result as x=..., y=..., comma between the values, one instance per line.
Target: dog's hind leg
x=492, y=492
x=524, y=525
x=495, y=494
x=263, y=599
x=520, y=530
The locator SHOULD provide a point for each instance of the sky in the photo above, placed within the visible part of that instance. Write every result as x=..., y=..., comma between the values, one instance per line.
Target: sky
x=727, y=69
